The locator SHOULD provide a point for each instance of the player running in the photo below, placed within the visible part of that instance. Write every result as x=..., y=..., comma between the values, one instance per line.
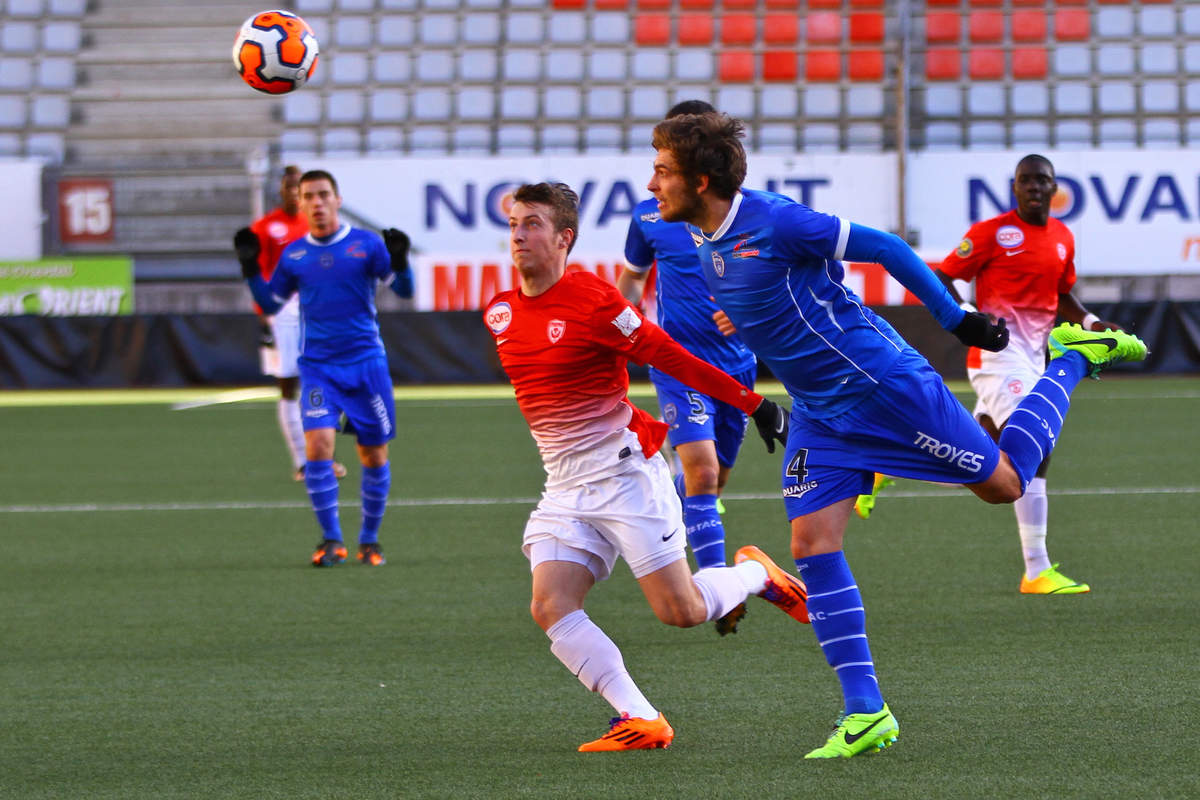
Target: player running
x=335, y=270
x=863, y=400
x=564, y=340
x=1023, y=266
x=705, y=432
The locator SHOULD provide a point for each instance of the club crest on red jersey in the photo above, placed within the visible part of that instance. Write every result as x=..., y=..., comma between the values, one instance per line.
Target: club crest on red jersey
x=555, y=329
x=1062, y=251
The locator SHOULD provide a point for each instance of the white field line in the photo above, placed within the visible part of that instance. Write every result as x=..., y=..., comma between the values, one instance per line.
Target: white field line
x=396, y=502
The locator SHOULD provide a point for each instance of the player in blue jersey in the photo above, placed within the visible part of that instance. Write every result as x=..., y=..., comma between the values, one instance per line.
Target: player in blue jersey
x=863, y=400
x=335, y=270
x=705, y=433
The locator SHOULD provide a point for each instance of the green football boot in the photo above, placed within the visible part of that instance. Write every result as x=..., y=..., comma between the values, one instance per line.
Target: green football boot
x=865, y=503
x=1051, y=581
x=859, y=733
x=1102, y=349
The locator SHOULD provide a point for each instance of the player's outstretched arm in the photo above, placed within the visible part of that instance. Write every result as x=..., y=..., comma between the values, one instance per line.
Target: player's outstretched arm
x=397, y=243
x=772, y=423
x=971, y=327
x=1070, y=309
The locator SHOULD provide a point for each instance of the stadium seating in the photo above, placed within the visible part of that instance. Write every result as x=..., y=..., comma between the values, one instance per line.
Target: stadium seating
x=527, y=76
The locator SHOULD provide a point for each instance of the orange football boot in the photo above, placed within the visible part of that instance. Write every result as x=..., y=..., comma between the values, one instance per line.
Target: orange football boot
x=783, y=590
x=632, y=733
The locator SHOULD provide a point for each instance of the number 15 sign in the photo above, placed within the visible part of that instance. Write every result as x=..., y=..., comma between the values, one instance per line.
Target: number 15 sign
x=85, y=210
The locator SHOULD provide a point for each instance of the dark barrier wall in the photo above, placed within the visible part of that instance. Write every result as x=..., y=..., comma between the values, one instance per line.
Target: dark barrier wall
x=450, y=347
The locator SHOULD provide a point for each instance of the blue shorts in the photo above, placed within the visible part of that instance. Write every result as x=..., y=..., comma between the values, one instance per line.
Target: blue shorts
x=362, y=391
x=696, y=417
x=910, y=426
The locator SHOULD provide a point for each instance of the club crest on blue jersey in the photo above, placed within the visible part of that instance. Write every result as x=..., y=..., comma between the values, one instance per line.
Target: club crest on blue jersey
x=555, y=329
x=326, y=260
x=718, y=264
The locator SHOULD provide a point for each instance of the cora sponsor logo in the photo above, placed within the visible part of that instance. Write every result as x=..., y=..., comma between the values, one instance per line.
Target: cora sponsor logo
x=498, y=317
x=1010, y=236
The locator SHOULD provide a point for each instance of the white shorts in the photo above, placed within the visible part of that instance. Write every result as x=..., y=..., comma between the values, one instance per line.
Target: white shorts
x=281, y=359
x=1001, y=383
x=631, y=510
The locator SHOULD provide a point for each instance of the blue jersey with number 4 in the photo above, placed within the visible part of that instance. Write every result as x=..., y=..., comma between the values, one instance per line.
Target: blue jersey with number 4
x=336, y=278
x=775, y=268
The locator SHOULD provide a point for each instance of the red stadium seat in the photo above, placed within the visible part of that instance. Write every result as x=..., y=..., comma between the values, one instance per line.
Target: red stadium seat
x=823, y=65
x=1114, y=2
x=866, y=65
x=823, y=27
x=652, y=29
x=1072, y=25
x=695, y=29
x=824, y=4
x=942, y=3
x=655, y=4
x=985, y=63
x=736, y=66
x=783, y=3
x=612, y=5
x=695, y=4
x=1028, y=26
x=866, y=28
x=572, y=4
x=1029, y=63
x=866, y=3
x=781, y=28
x=746, y=4
x=738, y=28
x=943, y=64
x=942, y=26
x=985, y=26
x=986, y=3
x=1072, y=2
x=779, y=65
x=1038, y=3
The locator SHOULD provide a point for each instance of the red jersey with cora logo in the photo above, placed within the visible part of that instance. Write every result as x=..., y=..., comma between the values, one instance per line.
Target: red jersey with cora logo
x=276, y=230
x=1019, y=271
x=566, y=351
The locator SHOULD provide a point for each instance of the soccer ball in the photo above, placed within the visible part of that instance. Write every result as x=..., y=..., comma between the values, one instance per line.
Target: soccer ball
x=275, y=52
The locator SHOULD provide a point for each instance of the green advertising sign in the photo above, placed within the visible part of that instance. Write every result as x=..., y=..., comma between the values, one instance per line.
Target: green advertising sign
x=67, y=287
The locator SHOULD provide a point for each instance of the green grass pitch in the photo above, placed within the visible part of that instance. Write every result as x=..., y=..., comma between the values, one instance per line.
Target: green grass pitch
x=164, y=637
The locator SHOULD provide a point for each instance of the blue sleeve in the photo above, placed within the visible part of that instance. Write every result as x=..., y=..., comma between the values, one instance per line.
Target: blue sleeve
x=400, y=284
x=637, y=250
x=869, y=245
x=263, y=294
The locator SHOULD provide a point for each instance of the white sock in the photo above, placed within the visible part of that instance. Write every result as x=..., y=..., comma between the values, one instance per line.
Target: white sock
x=722, y=588
x=1033, y=511
x=288, y=412
x=594, y=658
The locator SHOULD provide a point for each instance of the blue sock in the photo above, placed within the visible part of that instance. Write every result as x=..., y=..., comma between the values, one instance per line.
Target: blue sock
x=840, y=623
x=322, y=488
x=1031, y=431
x=375, y=484
x=705, y=532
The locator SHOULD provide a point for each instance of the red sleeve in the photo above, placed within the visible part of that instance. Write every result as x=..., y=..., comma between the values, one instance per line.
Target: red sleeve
x=670, y=357
x=971, y=254
x=265, y=248
x=1067, y=282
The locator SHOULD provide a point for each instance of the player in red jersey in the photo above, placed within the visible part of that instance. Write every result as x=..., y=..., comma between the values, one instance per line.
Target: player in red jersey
x=261, y=243
x=564, y=340
x=1023, y=266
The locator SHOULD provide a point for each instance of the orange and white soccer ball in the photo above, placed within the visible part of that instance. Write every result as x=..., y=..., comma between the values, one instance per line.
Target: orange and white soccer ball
x=275, y=52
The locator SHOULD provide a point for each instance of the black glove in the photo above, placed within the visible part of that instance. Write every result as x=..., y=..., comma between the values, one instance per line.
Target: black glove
x=248, y=248
x=397, y=243
x=977, y=330
x=772, y=423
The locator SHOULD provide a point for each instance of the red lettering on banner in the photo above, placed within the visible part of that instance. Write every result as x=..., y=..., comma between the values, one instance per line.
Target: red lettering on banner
x=874, y=278
x=489, y=283
x=452, y=291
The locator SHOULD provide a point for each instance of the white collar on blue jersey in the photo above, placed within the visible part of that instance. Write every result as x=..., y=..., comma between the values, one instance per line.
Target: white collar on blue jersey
x=728, y=221
x=342, y=233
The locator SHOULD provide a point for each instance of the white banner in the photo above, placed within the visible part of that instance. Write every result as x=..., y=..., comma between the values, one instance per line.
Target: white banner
x=21, y=207
x=1134, y=212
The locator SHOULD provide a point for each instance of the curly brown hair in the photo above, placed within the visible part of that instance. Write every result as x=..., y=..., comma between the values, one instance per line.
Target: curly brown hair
x=706, y=144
